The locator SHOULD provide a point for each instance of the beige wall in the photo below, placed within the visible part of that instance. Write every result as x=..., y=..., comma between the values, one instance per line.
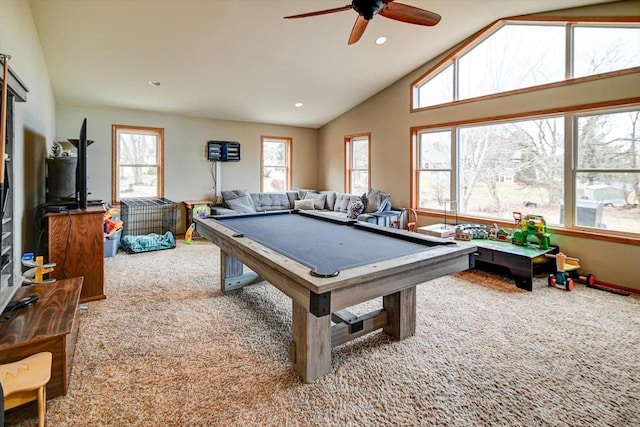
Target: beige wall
x=34, y=120
x=187, y=171
x=386, y=115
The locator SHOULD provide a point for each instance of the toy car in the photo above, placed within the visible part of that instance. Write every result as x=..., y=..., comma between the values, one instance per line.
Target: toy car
x=567, y=273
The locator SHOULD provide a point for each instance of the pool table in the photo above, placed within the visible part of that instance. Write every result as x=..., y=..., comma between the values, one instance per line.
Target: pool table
x=325, y=266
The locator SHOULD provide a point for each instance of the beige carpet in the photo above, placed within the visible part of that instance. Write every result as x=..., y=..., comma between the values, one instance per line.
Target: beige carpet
x=167, y=348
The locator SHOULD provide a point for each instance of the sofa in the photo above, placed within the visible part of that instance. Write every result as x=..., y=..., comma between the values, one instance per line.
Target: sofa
x=372, y=207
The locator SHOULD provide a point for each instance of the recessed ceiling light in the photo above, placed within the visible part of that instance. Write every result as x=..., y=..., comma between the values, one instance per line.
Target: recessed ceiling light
x=298, y=104
x=381, y=40
x=154, y=83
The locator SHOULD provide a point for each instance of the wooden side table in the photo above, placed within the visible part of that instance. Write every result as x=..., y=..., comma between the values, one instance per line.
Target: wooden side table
x=49, y=324
x=190, y=205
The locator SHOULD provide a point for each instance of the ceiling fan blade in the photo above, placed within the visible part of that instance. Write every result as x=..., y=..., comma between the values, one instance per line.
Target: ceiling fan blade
x=321, y=12
x=412, y=15
x=358, y=29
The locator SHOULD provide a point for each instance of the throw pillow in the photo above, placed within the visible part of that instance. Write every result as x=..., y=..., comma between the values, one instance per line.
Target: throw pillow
x=319, y=199
x=234, y=194
x=342, y=202
x=331, y=199
x=242, y=204
x=302, y=192
x=355, y=208
x=305, y=204
x=376, y=201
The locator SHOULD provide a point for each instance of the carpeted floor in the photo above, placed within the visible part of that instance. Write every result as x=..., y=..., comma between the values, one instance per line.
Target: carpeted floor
x=167, y=348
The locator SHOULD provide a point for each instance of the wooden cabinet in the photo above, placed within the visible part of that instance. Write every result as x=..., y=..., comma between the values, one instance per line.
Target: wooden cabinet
x=49, y=324
x=76, y=244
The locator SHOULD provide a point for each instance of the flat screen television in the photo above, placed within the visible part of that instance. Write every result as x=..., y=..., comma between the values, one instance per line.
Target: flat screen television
x=80, y=199
x=81, y=168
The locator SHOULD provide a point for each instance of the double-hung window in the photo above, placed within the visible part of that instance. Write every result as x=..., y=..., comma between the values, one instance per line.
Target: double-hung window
x=138, y=162
x=275, y=173
x=607, y=170
x=434, y=169
x=357, y=162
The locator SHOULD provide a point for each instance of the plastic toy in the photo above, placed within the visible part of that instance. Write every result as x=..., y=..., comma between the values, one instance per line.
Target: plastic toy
x=111, y=222
x=462, y=234
x=37, y=269
x=567, y=273
x=471, y=231
x=493, y=231
x=561, y=278
x=531, y=225
x=188, y=236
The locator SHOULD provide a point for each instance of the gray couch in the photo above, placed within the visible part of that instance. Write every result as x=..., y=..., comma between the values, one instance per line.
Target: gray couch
x=373, y=207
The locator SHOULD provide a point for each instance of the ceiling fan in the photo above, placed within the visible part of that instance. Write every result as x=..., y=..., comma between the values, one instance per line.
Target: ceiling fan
x=367, y=9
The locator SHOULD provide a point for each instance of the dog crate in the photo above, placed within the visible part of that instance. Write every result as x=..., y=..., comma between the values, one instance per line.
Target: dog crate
x=149, y=224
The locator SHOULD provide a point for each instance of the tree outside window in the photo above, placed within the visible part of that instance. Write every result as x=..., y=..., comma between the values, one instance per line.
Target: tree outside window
x=513, y=57
x=519, y=55
x=512, y=167
x=599, y=49
x=434, y=169
x=498, y=168
x=608, y=170
x=519, y=167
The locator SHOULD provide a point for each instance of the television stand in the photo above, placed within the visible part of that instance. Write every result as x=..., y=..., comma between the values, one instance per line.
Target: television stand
x=67, y=205
x=75, y=242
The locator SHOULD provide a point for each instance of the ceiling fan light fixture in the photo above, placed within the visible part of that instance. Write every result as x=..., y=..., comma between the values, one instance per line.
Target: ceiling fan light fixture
x=381, y=40
x=367, y=9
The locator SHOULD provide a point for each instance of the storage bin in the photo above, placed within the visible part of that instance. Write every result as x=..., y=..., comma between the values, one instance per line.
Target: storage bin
x=111, y=244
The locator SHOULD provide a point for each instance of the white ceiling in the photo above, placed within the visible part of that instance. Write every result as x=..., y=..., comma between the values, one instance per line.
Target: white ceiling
x=239, y=59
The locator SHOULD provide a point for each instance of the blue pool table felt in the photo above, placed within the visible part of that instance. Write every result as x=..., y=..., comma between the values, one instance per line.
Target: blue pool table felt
x=325, y=246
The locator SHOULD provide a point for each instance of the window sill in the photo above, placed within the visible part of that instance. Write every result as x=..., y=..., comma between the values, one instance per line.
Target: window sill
x=585, y=233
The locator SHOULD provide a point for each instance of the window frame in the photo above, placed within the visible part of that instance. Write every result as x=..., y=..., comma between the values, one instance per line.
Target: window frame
x=348, y=160
x=451, y=170
x=577, y=169
x=288, y=141
x=480, y=36
x=570, y=116
x=116, y=129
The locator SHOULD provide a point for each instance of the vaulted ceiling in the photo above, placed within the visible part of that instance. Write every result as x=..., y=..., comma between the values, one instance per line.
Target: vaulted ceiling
x=239, y=59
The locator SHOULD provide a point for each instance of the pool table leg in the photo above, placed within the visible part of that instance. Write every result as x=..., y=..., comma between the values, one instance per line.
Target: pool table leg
x=232, y=275
x=401, y=312
x=310, y=350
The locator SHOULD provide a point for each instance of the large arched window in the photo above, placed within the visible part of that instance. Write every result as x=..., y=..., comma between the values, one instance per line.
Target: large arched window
x=516, y=55
x=575, y=162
